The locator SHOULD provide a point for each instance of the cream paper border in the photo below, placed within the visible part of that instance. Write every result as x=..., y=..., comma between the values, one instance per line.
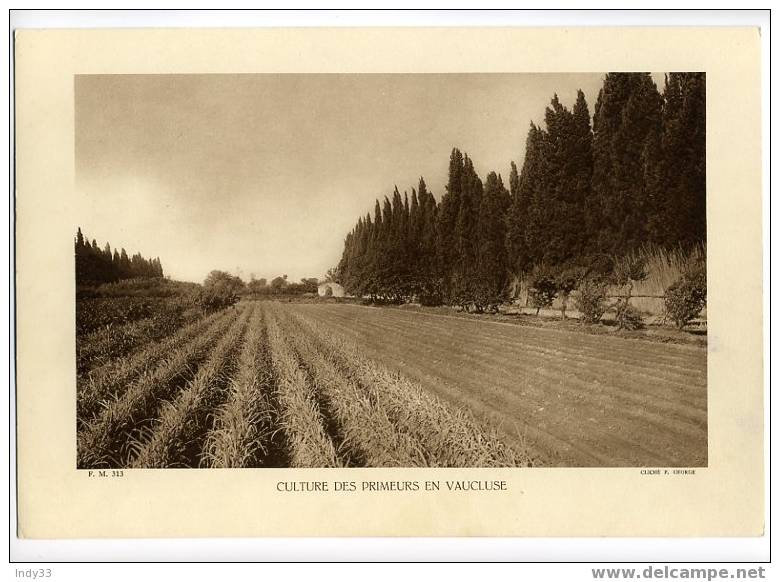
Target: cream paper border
x=57, y=501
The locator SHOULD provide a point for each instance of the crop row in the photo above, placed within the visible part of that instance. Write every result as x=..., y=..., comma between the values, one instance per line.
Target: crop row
x=308, y=443
x=102, y=384
x=174, y=439
x=264, y=385
x=384, y=419
x=105, y=439
x=243, y=428
x=110, y=342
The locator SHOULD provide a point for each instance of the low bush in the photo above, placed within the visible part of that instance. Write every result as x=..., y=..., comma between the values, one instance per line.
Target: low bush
x=567, y=278
x=220, y=290
x=486, y=300
x=543, y=287
x=591, y=301
x=628, y=316
x=215, y=298
x=629, y=270
x=685, y=298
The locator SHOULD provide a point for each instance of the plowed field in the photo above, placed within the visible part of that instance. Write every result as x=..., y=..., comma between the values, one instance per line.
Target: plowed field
x=310, y=385
x=575, y=399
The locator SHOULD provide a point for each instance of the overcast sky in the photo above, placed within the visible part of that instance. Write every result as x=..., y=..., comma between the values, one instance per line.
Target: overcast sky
x=266, y=174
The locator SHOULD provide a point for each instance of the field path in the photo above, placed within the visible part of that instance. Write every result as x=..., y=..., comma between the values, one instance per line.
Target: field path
x=576, y=399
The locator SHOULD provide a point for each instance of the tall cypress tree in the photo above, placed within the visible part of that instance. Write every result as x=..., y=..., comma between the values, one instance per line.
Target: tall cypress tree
x=676, y=173
x=554, y=206
x=566, y=187
x=79, y=241
x=414, y=249
x=384, y=250
x=447, y=220
x=374, y=258
x=124, y=265
x=533, y=198
x=517, y=254
x=491, y=261
x=394, y=248
x=628, y=111
x=463, y=268
x=580, y=175
x=429, y=277
x=414, y=219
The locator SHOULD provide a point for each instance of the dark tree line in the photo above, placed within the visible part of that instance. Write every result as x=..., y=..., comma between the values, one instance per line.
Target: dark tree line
x=393, y=255
x=96, y=265
x=636, y=176
x=632, y=174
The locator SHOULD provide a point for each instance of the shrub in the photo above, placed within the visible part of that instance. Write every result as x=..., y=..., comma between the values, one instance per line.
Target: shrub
x=220, y=290
x=666, y=265
x=567, y=278
x=543, y=288
x=687, y=296
x=487, y=298
x=591, y=301
x=214, y=298
x=629, y=270
x=628, y=316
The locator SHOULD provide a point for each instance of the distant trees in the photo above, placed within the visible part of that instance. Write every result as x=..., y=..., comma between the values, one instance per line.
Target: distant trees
x=415, y=248
x=222, y=280
x=96, y=265
x=392, y=256
x=279, y=283
x=220, y=289
x=256, y=286
x=309, y=285
x=281, y=286
x=588, y=188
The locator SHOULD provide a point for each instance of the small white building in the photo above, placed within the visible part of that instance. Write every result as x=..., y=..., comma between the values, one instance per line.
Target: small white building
x=336, y=290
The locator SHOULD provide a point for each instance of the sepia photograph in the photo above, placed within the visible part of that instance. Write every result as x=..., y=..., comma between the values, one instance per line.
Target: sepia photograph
x=391, y=270
x=486, y=281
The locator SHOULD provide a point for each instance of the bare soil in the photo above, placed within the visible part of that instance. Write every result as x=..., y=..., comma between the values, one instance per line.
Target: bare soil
x=575, y=396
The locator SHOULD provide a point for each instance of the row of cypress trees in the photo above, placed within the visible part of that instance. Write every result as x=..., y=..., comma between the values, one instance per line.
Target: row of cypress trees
x=632, y=174
x=96, y=265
